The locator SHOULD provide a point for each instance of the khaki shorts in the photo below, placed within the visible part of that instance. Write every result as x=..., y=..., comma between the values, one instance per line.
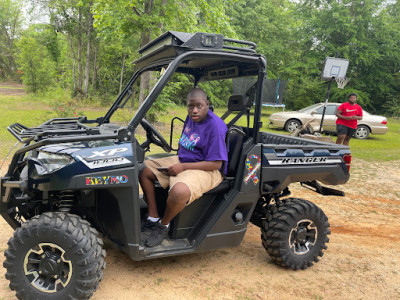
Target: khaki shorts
x=198, y=181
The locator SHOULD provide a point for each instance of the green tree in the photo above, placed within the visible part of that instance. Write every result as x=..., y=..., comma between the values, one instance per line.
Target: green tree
x=274, y=26
x=271, y=24
x=392, y=33
x=359, y=31
x=94, y=42
x=74, y=20
x=296, y=36
x=35, y=62
x=149, y=18
x=10, y=27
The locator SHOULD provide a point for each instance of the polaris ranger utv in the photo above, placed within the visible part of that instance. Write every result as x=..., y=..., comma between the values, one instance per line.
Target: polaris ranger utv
x=74, y=178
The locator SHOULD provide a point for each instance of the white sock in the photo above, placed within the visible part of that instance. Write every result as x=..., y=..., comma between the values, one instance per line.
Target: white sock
x=154, y=220
x=165, y=225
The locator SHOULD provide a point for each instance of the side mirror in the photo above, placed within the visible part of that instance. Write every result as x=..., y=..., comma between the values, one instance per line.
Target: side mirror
x=313, y=112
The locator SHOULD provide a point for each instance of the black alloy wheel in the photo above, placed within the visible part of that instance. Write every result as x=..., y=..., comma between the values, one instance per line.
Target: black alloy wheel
x=295, y=233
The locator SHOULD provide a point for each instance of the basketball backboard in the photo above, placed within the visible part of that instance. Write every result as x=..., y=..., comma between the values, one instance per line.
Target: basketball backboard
x=334, y=67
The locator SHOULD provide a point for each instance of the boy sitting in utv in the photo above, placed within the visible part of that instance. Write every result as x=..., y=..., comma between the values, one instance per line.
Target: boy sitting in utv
x=191, y=173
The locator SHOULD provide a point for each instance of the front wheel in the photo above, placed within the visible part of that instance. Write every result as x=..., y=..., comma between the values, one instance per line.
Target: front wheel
x=362, y=132
x=292, y=125
x=55, y=256
x=295, y=233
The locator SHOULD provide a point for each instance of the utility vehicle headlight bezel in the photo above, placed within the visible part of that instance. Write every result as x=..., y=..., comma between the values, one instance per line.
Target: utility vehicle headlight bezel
x=53, y=161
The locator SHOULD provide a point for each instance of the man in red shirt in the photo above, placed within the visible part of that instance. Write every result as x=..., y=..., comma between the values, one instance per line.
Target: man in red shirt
x=347, y=115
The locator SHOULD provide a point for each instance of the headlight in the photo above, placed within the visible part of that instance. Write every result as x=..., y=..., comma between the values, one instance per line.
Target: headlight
x=53, y=162
x=276, y=117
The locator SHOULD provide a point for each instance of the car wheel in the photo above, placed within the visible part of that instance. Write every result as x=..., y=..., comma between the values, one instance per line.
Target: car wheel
x=362, y=132
x=55, y=256
x=292, y=125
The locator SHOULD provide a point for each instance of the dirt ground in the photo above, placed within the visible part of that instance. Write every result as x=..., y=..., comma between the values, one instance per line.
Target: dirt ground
x=362, y=260
x=11, y=88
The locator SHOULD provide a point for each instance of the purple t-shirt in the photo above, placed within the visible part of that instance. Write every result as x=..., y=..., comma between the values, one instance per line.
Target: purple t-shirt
x=203, y=141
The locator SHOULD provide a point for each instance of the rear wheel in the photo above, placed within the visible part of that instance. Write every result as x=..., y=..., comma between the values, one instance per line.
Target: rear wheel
x=292, y=125
x=362, y=132
x=55, y=256
x=295, y=233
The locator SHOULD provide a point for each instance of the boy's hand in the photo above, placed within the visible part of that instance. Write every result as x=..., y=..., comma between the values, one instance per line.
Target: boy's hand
x=175, y=169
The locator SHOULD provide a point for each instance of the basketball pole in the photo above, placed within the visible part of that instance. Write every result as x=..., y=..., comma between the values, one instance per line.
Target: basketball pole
x=326, y=102
x=326, y=99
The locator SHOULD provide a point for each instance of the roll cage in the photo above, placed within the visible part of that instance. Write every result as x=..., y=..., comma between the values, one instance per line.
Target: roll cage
x=204, y=63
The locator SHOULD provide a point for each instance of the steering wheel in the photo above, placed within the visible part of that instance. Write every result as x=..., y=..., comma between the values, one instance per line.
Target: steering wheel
x=153, y=136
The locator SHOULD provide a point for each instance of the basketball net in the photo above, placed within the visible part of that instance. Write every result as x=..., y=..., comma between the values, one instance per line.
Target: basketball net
x=341, y=82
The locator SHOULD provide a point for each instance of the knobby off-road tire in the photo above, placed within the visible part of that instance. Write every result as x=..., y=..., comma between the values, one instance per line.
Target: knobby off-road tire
x=55, y=256
x=295, y=233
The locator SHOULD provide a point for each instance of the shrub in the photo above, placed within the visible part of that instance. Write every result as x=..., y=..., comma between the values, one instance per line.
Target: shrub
x=38, y=70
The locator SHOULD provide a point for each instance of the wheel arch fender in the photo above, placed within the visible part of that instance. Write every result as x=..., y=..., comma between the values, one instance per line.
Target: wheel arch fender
x=294, y=119
x=365, y=125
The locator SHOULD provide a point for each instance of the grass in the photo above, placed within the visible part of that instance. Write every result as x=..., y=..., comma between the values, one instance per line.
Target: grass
x=379, y=147
x=31, y=111
x=14, y=110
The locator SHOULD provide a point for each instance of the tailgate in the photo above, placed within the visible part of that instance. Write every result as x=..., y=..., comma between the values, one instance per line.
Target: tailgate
x=301, y=160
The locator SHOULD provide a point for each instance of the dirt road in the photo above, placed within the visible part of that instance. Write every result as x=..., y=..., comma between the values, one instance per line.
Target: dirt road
x=362, y=260
x=11, y=88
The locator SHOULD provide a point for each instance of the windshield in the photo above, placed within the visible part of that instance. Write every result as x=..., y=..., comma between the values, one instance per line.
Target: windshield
x=308, y=108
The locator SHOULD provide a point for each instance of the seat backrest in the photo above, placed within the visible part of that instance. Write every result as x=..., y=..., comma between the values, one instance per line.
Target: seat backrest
x=236, y=103
x=235, y=135
x=235, y=139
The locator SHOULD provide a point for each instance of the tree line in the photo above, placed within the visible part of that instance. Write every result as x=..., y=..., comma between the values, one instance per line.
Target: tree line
x=87, y=47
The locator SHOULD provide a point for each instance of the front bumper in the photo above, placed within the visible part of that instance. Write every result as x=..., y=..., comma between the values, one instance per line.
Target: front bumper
x=279, y=123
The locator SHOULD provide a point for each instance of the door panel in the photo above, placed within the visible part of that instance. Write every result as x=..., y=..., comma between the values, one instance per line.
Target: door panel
x=329, y=119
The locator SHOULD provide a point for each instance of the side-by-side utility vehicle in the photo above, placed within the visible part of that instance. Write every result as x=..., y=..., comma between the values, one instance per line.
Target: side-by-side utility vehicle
x=74, y=181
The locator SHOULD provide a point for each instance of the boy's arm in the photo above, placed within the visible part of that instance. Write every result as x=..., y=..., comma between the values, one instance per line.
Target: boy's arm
x=200, y=165
x=340, y=116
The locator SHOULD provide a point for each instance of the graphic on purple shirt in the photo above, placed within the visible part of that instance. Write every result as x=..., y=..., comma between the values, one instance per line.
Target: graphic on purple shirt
x=203, y=141
x=189, y=143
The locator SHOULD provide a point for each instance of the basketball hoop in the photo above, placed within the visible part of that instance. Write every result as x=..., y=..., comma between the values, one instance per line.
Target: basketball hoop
x=334, y=68
x=341, y=82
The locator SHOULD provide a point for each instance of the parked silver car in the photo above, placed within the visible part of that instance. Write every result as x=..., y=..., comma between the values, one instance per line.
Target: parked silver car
x=290, y=120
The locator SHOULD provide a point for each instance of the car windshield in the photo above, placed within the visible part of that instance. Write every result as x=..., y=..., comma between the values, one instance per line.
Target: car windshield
x=308, y=108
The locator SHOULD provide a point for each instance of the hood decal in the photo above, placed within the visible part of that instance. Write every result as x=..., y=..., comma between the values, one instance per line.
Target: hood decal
x=104, y=162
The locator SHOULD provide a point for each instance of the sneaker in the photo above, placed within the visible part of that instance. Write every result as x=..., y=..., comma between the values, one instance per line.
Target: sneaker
x=157, y=235
x=148, y=225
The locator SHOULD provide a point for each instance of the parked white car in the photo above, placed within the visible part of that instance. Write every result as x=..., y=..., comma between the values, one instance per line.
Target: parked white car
x=290, y=120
